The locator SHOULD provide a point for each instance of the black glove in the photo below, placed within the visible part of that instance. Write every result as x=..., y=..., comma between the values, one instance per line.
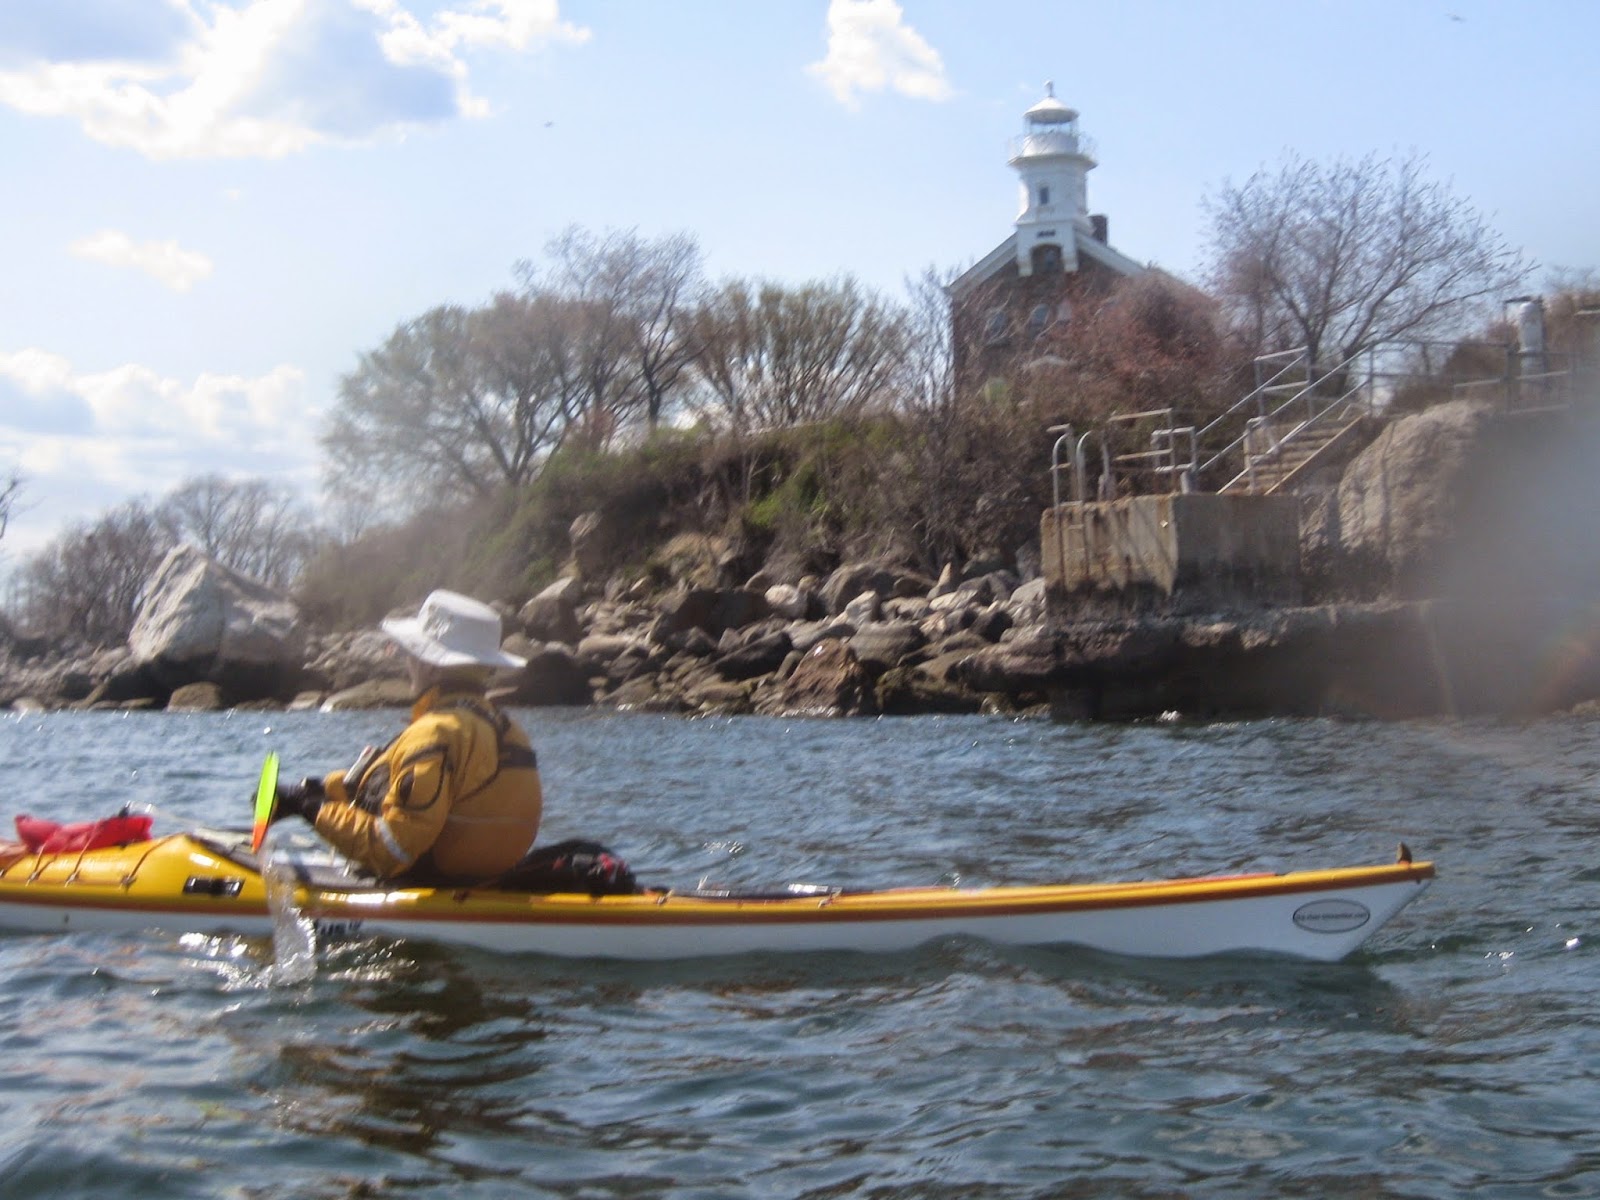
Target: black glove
x=302, y=799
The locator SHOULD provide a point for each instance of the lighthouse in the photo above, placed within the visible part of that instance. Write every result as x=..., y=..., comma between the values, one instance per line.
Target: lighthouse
x=1016, y=303
x=1052, y=160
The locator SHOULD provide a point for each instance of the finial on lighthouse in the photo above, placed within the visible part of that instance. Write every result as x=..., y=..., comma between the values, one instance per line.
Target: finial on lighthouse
x=1050, y=88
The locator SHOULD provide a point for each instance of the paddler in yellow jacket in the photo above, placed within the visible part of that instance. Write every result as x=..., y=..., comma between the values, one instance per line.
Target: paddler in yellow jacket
x=456, y=797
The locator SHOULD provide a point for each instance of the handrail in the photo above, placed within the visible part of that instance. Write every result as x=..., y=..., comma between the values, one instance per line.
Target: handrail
x=1295, y=358
x=1077, y=466
x=1185, y=471
x=1163, y=456
x=1064, y=438
x=1290, y=378
x=1305, y=392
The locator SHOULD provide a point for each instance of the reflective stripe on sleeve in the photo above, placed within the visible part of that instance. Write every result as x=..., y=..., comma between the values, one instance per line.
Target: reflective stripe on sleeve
x=392, y=845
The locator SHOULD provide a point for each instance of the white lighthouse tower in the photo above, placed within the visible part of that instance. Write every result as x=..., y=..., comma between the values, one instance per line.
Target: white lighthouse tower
x=1053, y=160
x=1056, y=249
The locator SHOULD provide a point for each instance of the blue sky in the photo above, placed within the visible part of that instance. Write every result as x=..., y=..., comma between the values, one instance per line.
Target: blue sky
x=212, y=208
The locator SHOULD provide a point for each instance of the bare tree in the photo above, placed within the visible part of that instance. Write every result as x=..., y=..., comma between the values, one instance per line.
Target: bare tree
x=521, y=348
x=773, y=356
x=10, y=491
x=462, y=403
x=628, y=301
x=928, y=384
x=1343, y=256
x=87, y=582
x=669, y=282
x=404, y=417
x=456, y=403
x=254, y=526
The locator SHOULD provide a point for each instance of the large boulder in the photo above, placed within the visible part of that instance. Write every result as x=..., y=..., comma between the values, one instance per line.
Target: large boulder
x=204, y=623
x=863, y=609
x=554, y=676
x=341, y=661
x=552, y=615
x=102, y=677
x=714, y=611
x=760, y=655
x=1028, y=663
x=880, y=646
x=1027, y=603
x=852, y=579
x=1460, y=500
x=911, y=691
x=590, y=538
x=196, y=697
x=1393, y=506
x=792, y=602
x=826, y=682
x=806, y=634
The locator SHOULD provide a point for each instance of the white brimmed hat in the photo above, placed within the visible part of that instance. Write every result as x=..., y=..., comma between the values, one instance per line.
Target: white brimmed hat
x=452, y=630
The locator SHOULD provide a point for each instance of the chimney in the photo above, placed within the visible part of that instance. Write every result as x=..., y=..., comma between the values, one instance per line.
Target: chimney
x=1098, y=223
x=1526, y=315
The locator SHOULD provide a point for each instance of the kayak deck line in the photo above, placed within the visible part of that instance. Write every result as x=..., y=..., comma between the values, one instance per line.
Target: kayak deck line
x=208, y=881
x=914, y=903
x=658, y=907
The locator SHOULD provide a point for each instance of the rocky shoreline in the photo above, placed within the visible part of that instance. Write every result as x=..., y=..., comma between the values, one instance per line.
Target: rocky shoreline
x=1483, y=510
x=870, y=639
x=867, y=640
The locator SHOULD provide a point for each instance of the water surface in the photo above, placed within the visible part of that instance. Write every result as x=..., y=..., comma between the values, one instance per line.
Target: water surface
x=1454, y=1055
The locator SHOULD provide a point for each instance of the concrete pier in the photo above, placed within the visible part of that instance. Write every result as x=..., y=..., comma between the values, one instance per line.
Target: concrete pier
x=1172, y=554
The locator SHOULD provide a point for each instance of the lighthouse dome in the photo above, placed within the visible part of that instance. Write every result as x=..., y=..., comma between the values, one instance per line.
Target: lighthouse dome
x=1050, y=111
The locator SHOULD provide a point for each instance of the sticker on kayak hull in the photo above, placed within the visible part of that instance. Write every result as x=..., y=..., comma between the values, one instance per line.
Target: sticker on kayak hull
x=1332, y=916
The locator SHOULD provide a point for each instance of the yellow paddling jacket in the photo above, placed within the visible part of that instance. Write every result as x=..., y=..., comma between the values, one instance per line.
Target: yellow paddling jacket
x=455, y=798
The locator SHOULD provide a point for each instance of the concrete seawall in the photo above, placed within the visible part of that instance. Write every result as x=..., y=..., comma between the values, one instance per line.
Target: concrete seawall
x=1192, y=604
x=1388, y=660
x=1171, y=554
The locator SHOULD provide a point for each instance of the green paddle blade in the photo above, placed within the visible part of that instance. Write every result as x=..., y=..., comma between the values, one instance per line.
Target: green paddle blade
x=266, y=800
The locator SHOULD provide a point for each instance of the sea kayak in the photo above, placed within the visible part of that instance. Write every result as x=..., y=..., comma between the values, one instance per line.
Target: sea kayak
x=208, y=881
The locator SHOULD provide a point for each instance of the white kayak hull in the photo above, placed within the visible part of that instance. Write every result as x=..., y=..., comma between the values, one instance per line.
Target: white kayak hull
x=198, y=885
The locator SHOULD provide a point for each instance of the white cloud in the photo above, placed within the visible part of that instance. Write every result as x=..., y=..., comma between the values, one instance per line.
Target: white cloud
x=36, y=372
x=166, y=262
x=90, y=440
x=221, y=412
x=871, y=48
x=268, y=78
x=513, y=24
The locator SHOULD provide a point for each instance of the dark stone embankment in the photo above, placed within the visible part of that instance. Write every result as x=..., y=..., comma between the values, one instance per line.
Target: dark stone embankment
x=1386, y=659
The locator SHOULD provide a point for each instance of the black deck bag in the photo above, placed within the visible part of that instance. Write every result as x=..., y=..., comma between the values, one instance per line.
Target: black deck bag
x=570, y=866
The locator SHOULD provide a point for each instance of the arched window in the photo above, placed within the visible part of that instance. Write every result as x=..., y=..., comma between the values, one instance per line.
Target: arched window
x=1046, y=259
x=1039, y=319
x=997, y=326
x=1044, y=194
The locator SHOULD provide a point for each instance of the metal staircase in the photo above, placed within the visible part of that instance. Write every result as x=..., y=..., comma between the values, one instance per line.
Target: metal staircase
x=1278, y=454
x=1299, y=416
x=1302, y=416
x=1294, y=419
